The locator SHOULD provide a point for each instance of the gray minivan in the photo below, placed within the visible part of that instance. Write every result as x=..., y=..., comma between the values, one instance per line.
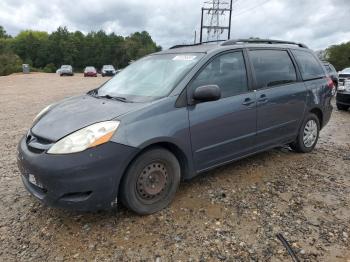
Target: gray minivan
x=170, y=116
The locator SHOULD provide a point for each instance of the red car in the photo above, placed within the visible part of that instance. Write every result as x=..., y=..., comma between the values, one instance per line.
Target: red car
x=90, y=71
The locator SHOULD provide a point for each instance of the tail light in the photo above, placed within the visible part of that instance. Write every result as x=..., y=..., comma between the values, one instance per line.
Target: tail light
x=330, y=83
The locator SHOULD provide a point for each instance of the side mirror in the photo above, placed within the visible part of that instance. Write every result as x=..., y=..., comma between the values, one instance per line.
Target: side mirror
x=207, y=93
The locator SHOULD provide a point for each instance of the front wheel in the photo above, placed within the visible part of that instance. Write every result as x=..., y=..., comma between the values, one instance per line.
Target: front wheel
x=308, y=135
x=151, y=181
x=342, y=107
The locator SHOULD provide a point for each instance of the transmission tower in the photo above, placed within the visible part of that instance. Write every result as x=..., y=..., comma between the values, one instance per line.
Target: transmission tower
x=215, y=13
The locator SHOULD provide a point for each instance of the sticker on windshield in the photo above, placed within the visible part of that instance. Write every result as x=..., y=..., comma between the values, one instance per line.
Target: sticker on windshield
x=184, y=57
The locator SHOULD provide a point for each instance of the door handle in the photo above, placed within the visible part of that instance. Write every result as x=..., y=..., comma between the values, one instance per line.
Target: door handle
x=263, y=99
x=248, y=101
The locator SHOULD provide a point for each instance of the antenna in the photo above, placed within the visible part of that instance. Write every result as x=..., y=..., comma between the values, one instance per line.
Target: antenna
x=215, y=12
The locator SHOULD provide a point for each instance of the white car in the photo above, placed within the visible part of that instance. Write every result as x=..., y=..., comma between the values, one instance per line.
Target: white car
x=108, y=70
x=65, y=70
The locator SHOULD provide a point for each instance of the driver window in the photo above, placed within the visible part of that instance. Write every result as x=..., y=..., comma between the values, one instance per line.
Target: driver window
x=227, y=71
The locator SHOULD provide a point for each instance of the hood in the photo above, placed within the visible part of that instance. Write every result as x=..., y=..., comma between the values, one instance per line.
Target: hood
x=77, y=112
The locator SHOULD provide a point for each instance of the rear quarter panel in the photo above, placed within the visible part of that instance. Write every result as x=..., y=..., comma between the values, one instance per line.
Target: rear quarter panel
x=319, y=96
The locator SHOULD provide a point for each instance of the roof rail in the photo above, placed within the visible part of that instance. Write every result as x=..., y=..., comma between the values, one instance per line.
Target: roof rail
x=207, y=42
x=261, y=41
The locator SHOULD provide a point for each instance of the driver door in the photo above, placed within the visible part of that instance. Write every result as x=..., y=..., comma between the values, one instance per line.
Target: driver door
x=225, y=129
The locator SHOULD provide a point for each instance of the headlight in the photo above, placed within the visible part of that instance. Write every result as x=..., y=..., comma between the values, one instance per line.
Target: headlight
x=85, y=138
x=41, y=113
x=347, y=83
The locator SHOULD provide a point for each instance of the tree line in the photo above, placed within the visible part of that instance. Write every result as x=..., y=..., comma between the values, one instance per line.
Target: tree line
x=339, y=55
x=48, y=51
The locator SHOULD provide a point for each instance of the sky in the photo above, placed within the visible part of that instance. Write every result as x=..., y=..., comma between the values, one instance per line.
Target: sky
x=318, y=24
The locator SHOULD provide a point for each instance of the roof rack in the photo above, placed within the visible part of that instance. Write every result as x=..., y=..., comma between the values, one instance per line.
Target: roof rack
x=261, y=41
x=207, y=42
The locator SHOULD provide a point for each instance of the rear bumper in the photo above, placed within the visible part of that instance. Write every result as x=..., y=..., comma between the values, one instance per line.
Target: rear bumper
x=343, y=98
x=90, y=74
x=85, y=181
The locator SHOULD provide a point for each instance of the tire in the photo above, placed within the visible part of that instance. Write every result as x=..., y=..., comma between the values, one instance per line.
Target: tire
x=342, y=107
x=139, y=192
x=311, y=122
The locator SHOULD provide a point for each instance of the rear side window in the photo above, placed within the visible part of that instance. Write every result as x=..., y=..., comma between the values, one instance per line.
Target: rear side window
x=332, y=68
x=272, y=67
x=328, y=68
x=310, y=68
x=227, y=71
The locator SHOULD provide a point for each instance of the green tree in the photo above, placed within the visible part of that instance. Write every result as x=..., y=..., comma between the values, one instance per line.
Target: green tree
x=339, y=55
x=32, y=47
x=9, y=63
x=3, y=33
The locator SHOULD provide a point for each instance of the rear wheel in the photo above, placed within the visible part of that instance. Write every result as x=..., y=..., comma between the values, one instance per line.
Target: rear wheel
x=151, y=181
x=342, y=107
x=308, y=135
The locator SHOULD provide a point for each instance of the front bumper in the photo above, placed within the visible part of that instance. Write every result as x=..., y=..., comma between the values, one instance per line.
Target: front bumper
x=343, y=98
x=67, y=73
x=85, y=181
x=108, y=73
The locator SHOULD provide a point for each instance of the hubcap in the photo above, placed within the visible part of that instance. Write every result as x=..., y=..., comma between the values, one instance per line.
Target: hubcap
x=310, y=133
x=152, y=181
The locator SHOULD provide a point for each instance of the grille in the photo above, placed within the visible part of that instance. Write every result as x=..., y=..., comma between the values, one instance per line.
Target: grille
x=344, y=75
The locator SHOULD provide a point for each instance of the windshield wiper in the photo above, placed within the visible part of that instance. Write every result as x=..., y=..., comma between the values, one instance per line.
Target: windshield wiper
x=118, y=98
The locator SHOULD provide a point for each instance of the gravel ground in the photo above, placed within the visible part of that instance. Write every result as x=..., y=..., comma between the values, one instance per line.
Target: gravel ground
x=230, y=214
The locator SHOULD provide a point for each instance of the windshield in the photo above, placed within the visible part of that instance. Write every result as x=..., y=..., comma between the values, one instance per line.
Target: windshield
x=66, y=67
x=150, y=78
x=108, y=67
x=89, y=69
x=345, y=71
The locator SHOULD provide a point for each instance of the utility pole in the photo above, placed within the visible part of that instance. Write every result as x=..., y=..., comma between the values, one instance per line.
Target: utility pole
x=229, y=22
x=215, y=11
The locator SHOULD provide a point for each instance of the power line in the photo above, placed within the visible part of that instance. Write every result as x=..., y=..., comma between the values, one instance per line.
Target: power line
x=250, y=9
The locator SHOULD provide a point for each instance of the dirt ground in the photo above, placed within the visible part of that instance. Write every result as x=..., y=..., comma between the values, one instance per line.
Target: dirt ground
x=230, y=214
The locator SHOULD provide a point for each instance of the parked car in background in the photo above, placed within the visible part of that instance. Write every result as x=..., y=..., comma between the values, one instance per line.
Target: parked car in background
x=66, y=70
x=344, y=75
x=333, y=74
x=90, y=71
x=108, y=70
x=343, y=94
x=171, y=116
